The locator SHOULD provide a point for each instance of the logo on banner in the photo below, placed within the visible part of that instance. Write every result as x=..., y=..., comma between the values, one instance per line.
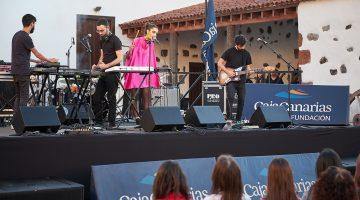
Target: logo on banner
x=256, y=168
x=294, y=94
x=148, y=180
x=307, y=112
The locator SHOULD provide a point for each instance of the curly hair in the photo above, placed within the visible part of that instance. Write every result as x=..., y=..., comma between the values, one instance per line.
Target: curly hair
x=335, y=183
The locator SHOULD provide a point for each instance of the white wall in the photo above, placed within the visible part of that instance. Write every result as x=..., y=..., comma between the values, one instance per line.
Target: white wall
x=56, y=20
x=338, y=14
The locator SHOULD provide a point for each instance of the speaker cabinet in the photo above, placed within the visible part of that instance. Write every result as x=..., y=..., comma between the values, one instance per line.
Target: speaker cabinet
x=205, y=116
x=162, y=119
x=38, y=118
x=271, y=117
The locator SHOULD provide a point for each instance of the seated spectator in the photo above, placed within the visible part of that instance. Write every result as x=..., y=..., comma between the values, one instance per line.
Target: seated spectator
x=328, y=157
x=357, y=175
x=170, y=183
x=280, y=185
x=275, y=77
x=226, y=180
x=335, y=184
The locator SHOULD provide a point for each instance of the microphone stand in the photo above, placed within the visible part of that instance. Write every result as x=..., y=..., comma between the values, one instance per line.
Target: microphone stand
x=149, y=75
x=89, y=51
x=68, y=54
x=289, y=75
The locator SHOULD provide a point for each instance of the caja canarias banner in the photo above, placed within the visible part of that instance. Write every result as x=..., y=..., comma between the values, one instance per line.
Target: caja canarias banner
x=309, y=104
x=133, y=181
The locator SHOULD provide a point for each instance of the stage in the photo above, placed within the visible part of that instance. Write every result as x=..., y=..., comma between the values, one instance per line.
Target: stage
x=71, y=156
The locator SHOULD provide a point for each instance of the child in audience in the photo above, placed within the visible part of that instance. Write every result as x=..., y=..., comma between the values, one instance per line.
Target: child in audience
x=170, y=183
x=226, y=180
x=280, y=185
x=335, y=184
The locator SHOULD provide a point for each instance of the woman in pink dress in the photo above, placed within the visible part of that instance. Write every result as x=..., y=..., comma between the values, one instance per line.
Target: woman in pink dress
x=142, y=54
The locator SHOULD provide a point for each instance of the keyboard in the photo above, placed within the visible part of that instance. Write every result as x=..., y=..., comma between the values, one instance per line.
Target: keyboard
x=130, y=69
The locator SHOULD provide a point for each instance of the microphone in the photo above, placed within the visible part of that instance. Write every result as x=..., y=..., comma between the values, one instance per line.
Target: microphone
x=86, y=39
x=156, y=40
x=261, y=40
x=87, y=36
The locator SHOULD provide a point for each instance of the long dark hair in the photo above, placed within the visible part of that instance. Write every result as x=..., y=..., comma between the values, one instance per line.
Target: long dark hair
x=335, y=183
x=357, y=174
x=280, y=185
x=328, y=157
x=226, y=178
x=170, y=179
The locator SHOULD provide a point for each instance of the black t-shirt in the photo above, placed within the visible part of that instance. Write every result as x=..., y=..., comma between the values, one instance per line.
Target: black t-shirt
x=110, y=47
x=20, y=53
x=277, y=80
x=237, y=58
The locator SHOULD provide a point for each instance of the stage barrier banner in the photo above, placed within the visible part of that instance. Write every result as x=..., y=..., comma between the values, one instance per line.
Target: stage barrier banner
x=254, y=172
x=310, y=104
x=130, y=181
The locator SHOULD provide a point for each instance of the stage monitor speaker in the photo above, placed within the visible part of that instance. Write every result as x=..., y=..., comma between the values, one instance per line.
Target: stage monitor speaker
x=271, y=117
x=162, y=119
x=38, y=118
x=205, y=116
x=64, y=112
x=47, y=188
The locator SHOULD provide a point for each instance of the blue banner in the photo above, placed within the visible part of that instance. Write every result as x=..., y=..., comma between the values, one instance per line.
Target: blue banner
x=254, y=172
x=130, y=181
x=209, y=37
x=310, y=104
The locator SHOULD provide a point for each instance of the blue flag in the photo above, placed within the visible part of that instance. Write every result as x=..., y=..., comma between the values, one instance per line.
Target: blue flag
x=209, y=37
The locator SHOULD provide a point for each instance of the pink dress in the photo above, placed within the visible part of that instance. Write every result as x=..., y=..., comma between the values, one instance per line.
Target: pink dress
x=140, y=57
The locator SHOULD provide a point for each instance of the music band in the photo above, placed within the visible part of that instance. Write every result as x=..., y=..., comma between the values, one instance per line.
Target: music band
x=234, y=61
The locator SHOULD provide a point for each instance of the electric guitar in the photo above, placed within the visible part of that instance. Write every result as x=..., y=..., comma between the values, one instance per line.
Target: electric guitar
x=224, y=78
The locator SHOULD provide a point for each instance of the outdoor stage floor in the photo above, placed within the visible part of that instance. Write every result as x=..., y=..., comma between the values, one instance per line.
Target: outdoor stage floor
x=71, y=156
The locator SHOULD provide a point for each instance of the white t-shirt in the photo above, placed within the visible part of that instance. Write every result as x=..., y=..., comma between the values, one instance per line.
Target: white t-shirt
x=218, y=197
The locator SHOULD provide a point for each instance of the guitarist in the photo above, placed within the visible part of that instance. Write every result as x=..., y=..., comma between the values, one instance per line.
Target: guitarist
x=234, y=58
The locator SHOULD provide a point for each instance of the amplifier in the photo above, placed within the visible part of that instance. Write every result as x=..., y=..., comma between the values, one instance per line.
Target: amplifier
x=213, y=94
x=166, y=96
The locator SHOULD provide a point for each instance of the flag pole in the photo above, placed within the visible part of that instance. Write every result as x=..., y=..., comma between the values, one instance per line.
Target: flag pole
x=206, y=64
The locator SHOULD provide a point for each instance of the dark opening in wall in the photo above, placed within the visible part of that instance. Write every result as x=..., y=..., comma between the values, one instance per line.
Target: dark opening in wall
x=348, y=27
x=326, y=28
x=269, y=30
x=193, y=46
x=313, y=37
x=261, y=30
x=343, y=69
x=333, y=72
x=248, y=30
x=163, y=52
x=323, y=60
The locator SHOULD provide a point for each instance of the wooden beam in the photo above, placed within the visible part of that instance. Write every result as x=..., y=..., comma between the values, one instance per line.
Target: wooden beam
x=256, y=16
